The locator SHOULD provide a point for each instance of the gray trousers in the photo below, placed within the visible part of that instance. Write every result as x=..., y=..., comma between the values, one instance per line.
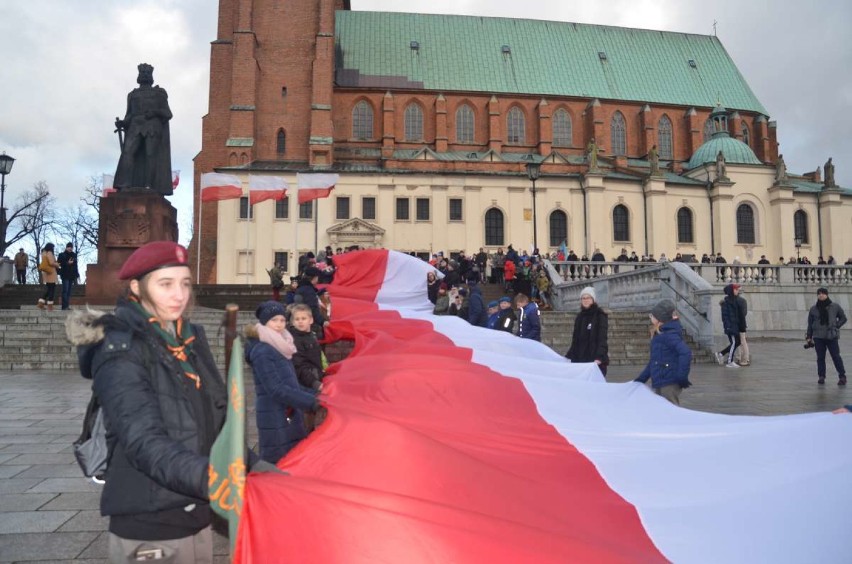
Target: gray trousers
x=188, y=550
x=671, y=392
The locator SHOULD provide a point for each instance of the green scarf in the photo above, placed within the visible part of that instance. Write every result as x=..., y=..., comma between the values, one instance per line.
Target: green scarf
x=178, y=344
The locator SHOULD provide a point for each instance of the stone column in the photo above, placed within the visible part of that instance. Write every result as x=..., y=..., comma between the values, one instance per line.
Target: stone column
x=782, y=206
x=659, y=228
x=545, y=128
x=388, y=136
x=724, y=232
x=495, y=131
x=833, y=225
x=441, y=129
x=599, y=231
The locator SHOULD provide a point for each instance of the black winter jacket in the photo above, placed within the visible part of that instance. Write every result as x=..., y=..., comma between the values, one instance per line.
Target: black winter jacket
x=308, y=359
x=159, y=449
x=306, y=293
x=589, y=340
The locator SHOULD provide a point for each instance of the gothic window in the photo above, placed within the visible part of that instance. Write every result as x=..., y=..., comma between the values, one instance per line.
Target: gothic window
x=620, y=223
x=746, y=134
x=709, y=129
x=618, y=135
x=464, y=124
x=516, y=126
x=494, y=228
x=664, y=138
x=558, y=228
x=413, y=122
x=281, y=143
x=745, y=225
x=684, y=226
x=800, y=227
x=562, y=130
x=362, y=121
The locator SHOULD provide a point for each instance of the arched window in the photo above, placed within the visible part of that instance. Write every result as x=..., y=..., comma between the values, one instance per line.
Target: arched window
x=464, y=124
x=362, y=121
x=684, y=226
x=745, y=225
x=243, y=158
x=620, y=223
x=413, y=123
x=494, y=227
x=563, y=134
x=558, y=228
x=746, y=134
x=233, y=160
x=516, y=127
x=709, y=129
x=664, y=138
x=281, y=144
x=618, y=134
x=800, y=227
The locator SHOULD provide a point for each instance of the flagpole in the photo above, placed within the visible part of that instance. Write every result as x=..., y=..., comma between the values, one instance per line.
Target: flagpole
x=248, y=221
x=316, y=227
x=198, y=246
x=296, y=228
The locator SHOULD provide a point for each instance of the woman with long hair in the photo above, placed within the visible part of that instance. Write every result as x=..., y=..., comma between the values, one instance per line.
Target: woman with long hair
x=164, y=403
x=49, y=268
x=589, y=342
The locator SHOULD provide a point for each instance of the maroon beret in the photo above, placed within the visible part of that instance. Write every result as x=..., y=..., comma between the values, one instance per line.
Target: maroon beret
x=151, y=257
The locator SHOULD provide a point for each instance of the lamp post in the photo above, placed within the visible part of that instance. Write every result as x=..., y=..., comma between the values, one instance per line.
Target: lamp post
x=5, y=168
x=797, y=240
x=533, y=172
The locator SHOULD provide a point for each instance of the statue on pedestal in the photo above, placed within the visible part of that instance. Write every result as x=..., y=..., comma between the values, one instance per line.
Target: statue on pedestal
x=143, y=134
x=829, y=174
x=721, y=168
x=654, y=160
x=780, y=170
x=592, y=155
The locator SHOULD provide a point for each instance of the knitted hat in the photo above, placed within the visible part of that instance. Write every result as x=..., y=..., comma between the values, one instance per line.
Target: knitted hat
x=268, y=310
x=589, y=291
x=823, y=291
x=664, y=311
x=311, y=272
x=493, y=304
x=506, y=299
x=152, y=256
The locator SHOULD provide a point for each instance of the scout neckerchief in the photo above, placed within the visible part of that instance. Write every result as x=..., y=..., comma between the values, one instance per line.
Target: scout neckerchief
x=178, y=344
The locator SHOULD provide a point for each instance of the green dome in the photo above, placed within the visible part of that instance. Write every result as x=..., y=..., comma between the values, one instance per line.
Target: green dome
x=735, y=151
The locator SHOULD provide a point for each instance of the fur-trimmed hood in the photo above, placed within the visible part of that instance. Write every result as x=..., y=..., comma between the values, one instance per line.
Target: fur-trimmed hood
x=84, y=327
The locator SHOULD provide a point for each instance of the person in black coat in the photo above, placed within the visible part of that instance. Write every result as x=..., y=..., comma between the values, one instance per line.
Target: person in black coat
x=506, y=318
x=432, y=285
x=280, y=401
x=589, y=340
x=731, y=320
x=164, y=403
x=477, y=314
x=308, y=358
x=306, y=293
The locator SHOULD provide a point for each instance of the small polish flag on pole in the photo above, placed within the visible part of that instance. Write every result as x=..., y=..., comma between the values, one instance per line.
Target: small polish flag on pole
x=175, y=179
x=216, y=186
x=107, y=188
x=314, y=186
x=262, y=188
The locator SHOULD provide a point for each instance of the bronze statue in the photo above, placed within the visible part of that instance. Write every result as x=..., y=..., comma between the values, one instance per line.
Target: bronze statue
x=780, y=170
x=654, y=159
x=829, y=174
x=143, y=134
x=592, y=154
x=721, y=168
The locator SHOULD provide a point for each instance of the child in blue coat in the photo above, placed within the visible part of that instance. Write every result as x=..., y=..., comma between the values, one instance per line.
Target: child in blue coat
x=668, y=367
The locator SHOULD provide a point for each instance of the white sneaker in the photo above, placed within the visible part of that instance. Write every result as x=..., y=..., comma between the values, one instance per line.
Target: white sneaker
x=732, y=365
x=720, y=360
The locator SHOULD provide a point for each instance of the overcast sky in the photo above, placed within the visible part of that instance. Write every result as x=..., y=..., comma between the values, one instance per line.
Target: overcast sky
x=67, y=66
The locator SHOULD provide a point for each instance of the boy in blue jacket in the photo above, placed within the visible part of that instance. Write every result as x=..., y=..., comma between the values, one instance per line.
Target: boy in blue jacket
x=668, y=367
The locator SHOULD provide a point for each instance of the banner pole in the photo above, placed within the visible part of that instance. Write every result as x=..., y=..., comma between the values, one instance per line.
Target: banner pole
x=198, y=247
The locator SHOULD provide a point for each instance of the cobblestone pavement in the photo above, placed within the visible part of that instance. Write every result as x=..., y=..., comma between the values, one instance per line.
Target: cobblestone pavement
x=49, y=513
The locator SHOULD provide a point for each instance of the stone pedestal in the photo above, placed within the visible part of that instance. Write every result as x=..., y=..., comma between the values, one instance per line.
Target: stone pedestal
x=128, y=220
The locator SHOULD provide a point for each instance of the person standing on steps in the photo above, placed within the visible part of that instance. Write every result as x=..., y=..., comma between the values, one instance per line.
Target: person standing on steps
x=824, y=322
x=731, y=322
x=48, y=267
x=589, y=340
x=68, y=272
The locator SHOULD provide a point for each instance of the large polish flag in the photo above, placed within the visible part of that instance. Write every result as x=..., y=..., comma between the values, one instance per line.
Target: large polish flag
x=216, y=186
x=315, y=185
x=451, y=443
x=262, y=188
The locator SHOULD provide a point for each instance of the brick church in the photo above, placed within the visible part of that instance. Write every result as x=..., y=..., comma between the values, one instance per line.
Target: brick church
x=645, y=140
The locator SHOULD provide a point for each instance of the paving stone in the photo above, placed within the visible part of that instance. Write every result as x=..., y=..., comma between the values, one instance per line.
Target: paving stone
x=74, y=500
x=32, y=448
x=11, y=470
x=85, y=521
x=33, y=521
x=52, y=471
x=56, y=546
x=5, y=457
x=25, y=501
x=99, y=548
x=59, y=458
x=17, y=485
x=63, y=485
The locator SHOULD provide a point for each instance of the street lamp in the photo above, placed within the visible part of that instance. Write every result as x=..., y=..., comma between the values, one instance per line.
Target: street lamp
x=533, y=172
x=5, y=168
x=797, y=240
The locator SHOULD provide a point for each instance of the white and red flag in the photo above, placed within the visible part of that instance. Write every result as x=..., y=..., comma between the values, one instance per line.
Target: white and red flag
x=315, y=185
x=446, y=442
x=262, y=188
x=175, y=179
x=216, y=186
x=107, y=185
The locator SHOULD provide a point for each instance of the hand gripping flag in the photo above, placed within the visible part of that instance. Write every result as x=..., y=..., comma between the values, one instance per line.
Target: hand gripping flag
x=314, y=186
x=216, y=186
x=262, y=188
x=227, y=473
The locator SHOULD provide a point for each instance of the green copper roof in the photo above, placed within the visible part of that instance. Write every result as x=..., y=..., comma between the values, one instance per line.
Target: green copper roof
x=500, y=55
x=735, y=151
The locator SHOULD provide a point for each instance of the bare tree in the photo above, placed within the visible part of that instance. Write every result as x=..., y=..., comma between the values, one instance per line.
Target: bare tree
x=36, y=222
x=27, y=215
x=76, y=226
